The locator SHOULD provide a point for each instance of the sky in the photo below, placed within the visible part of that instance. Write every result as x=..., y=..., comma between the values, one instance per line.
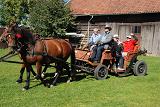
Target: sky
x=65, y=1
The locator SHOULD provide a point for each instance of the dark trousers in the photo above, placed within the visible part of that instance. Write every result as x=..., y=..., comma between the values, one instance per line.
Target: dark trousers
x=119, y=62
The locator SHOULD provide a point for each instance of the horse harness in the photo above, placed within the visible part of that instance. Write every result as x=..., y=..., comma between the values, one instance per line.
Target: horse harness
x=31, y=52
x=31, y=49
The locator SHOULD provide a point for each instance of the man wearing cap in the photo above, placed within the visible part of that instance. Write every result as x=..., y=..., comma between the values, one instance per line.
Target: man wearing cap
x=102, y=44
x=129, y=43
x=128, y=46
x=116, y=50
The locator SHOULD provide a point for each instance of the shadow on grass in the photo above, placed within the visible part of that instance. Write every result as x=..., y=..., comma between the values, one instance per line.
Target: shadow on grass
x=49, y=77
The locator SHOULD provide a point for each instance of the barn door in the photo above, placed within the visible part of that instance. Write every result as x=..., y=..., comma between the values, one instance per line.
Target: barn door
x=147, y=37
x=156, y=40
x=123, y=31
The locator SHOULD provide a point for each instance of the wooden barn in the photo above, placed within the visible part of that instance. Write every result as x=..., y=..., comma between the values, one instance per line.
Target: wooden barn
x=141, y=17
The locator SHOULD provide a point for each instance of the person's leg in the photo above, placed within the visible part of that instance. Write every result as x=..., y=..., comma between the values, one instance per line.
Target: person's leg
x=93, y=53
x=121, y=62
x=117, y=61
x=99, y=53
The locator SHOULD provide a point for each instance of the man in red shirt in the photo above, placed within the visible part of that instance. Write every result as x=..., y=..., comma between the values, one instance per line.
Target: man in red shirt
x=128, y=46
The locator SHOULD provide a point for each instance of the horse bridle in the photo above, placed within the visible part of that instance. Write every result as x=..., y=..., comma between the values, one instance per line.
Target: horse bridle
x=6, y=39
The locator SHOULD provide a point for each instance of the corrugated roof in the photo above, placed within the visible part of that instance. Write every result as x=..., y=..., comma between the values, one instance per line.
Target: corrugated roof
x=98, y=7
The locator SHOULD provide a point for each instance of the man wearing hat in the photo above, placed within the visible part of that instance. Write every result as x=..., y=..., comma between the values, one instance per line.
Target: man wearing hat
x=102, y=44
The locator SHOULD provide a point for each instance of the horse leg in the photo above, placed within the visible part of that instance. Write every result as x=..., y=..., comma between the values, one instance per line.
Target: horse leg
x=26, y=87
x=44, y=70
x=56, y=74
x=21, y=74
x=72, y=64
x=34, y=74
x=39, y=69
x=69, y=72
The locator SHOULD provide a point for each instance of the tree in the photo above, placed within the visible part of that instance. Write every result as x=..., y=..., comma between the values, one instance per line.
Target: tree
x=13, y=10
x=46, y=17
x=50, y=17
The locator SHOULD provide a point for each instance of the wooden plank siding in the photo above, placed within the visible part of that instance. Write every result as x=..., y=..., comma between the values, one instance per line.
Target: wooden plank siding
x=147, y=34
x=149, y=37
x=156, y=41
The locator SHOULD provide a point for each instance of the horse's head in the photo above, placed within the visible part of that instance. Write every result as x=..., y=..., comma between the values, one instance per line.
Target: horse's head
x=143, y=52
x=8, y=37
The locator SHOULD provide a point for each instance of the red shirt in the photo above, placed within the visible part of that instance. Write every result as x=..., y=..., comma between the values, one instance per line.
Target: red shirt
x=18, y=35
x=129, y=45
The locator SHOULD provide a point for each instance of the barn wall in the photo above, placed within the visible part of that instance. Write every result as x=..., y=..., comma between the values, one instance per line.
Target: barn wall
x=149, y=38
x=156, y=40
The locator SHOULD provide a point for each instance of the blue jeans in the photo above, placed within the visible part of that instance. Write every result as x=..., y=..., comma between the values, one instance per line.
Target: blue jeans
x=94, y=49
x=97, y=53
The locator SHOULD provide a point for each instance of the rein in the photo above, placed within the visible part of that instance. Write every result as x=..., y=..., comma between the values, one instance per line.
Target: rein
x=9, y=55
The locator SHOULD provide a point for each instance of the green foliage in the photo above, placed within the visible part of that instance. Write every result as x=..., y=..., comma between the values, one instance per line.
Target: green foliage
x=46, y=17
x=50, y=17
x=13, y=10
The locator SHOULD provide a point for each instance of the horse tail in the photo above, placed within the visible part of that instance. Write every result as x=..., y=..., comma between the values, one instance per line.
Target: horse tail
x=73, y=62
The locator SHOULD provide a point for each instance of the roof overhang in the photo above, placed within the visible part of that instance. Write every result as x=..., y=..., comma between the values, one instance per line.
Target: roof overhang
x=136, y=13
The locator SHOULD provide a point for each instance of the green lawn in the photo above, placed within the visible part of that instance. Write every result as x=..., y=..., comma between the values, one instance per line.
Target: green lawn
x=131, y=91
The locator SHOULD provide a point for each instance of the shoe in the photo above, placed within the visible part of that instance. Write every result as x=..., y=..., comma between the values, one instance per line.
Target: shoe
x=90, y=59
x=96, y=62
x=121, y=69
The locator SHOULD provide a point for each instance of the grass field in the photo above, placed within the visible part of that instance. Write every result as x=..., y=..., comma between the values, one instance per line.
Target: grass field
x=131, y=91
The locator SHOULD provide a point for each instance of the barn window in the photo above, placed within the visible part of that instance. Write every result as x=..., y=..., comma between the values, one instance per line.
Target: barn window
x=136, y=29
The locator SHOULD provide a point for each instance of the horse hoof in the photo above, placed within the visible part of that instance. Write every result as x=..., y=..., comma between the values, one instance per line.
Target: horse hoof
x=45, y=84
x=36, y=77
x=51, y=86
x=48, y=85
x=25, y=88
x=68, y=81
x=42, y=75
x=19, y=81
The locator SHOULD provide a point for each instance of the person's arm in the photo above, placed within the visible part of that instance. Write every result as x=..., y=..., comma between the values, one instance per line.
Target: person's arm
x=135, y=37
x=90, y=39
x=98, y=39
x=108, y=39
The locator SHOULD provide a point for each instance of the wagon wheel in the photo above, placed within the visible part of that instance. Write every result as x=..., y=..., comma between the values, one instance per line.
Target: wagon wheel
x=101, y=72
x=140, y=68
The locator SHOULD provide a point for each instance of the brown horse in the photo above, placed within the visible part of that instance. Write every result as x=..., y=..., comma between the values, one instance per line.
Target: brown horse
x=43, y=52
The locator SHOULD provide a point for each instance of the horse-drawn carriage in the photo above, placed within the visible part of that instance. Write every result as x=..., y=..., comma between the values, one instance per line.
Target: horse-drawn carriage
x=50, y=50
x=107, y=63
